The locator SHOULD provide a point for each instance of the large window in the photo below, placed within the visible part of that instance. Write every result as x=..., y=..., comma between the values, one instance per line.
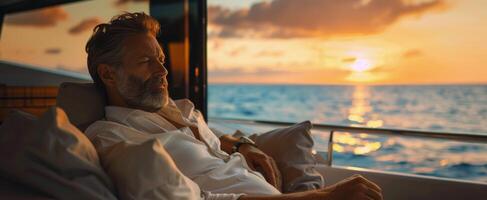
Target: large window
x=55, y=37
x=417, y=64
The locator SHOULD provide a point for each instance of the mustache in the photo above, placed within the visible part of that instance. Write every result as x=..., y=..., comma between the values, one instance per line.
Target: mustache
x=144, y=87
x=140, y=93
x=154, y=80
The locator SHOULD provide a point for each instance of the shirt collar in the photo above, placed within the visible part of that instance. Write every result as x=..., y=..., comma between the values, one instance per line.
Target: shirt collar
x=179, y=111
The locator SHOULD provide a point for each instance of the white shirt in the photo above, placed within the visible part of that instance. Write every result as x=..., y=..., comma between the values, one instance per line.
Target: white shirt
x=202, y=161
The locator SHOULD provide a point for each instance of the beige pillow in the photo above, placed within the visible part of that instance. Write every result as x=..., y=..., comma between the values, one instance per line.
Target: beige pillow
x=52, y=157
x=291, y=148
x=145, y=171
x=82, y=102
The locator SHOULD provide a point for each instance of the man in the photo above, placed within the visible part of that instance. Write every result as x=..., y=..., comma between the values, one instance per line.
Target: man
x=127, y=63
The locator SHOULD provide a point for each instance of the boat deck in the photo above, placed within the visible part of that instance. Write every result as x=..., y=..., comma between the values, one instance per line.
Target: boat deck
x=395, y=185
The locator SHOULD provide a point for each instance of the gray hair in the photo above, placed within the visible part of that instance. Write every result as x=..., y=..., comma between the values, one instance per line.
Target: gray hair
x=105, y=45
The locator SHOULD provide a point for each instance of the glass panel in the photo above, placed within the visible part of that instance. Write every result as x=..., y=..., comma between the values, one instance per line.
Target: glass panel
x=55, y=37
x=422, y=156
x=404, y=64
x=418, y=64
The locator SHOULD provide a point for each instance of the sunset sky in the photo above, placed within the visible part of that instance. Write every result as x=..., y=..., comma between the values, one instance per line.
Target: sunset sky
x=55, y=37
x=290, y=41
x=348, y=41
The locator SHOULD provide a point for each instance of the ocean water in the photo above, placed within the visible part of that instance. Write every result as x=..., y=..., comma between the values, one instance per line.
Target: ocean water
x=450, y=108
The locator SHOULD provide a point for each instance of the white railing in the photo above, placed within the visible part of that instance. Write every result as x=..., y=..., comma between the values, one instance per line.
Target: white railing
x=455, y=136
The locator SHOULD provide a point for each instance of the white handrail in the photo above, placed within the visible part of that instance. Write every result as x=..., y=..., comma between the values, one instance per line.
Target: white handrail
x=455, y=136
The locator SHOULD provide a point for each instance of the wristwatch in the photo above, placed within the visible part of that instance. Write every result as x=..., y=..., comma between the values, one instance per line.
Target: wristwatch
x=242, y=140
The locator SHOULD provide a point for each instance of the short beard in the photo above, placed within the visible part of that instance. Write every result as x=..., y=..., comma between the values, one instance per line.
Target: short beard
x=137, y=93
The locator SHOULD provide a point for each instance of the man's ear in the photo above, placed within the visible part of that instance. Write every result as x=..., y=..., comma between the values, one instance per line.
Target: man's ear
x=106, y=74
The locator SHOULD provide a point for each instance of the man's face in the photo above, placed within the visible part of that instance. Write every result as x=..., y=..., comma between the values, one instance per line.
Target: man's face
x=141, y=80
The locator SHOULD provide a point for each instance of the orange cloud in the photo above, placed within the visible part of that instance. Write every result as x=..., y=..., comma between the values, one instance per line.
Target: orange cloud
x=349, y=60
x=85, y=25
x=268, y=53
x=46, y=17
x=312, y=18
x=412, y=53
x=272, y=76
x=53, y=51
x=238, y=71
x=237, y=51
x=121, y=2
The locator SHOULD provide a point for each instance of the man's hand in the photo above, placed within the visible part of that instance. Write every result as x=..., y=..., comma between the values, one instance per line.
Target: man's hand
x=261, y=162
x=355, y=187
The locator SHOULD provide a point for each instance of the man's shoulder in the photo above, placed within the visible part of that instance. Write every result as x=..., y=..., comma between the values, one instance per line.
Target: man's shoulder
x=103, y=126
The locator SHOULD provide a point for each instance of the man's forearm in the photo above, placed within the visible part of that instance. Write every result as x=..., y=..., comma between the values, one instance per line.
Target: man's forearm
x=273, y=197
x=307, y=195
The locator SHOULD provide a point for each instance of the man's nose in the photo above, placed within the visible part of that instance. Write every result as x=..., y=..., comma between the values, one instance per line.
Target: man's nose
x=164, y=70
x=161, y=68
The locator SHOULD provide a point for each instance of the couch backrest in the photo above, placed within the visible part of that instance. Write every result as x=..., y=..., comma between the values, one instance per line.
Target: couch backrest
x=82, y=102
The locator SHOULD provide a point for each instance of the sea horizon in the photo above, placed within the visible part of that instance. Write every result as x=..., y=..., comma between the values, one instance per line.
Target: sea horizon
x=453, y=108
x=355, y=84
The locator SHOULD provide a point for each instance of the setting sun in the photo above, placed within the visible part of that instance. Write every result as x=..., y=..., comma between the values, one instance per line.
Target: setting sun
x=361, y=65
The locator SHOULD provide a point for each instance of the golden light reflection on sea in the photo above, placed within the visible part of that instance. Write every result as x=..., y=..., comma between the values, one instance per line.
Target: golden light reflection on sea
x=358, y=112
x=354, y=143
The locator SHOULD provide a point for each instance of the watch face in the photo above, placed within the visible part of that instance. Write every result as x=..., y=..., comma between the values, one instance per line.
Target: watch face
x=244, y=139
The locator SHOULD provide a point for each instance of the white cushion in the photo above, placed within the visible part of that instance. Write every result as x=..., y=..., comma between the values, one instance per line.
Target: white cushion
x=146, y=171
x=51, y=156
x=291, y=148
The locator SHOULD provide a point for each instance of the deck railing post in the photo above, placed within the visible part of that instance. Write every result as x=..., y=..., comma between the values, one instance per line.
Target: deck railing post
x=330, y=149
